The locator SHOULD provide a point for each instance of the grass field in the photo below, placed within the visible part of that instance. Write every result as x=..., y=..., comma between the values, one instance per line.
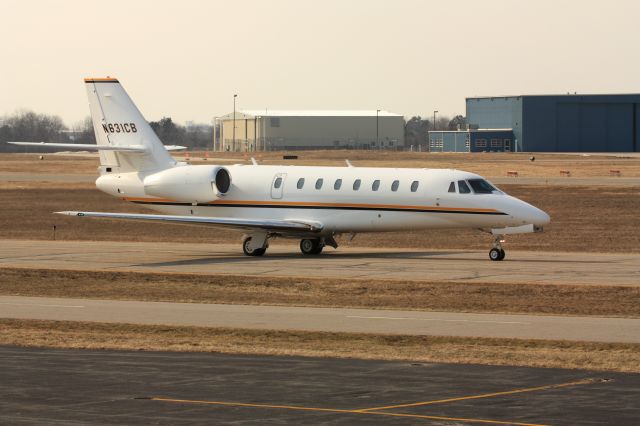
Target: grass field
x=302, y=291
x=583, y=219
x=485, y=164
x=534, y=353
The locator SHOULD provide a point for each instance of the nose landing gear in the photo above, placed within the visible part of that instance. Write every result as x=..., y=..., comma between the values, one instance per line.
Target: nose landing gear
x=497, y=252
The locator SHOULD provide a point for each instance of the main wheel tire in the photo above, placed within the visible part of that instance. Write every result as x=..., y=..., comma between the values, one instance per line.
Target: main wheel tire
x=311, y=246
x=496, y=254
x=502, y=254
x=249, y=252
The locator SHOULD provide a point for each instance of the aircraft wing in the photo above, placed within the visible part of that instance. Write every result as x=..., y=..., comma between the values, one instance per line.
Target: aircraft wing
x=84, y=146
x=94, y=147
x=250, y=224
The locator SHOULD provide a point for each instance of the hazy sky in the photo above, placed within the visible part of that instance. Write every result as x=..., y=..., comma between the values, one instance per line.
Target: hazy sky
x=185, y=58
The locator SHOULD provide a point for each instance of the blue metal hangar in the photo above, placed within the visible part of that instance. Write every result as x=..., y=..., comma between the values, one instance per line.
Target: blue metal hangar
x=471, y=140
x=562, y=123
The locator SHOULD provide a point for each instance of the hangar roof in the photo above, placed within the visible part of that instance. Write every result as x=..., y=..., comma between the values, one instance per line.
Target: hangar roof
x=557, y=95
x=311, y=113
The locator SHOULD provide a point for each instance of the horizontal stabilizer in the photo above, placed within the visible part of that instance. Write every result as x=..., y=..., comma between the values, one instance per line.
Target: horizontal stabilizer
x=85, y=147
x=264, y=224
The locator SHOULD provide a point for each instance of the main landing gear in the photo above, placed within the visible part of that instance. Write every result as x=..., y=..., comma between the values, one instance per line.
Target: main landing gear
x=257, y=244
x=314, y=246
x=311, y=246
x=497, y=252
x=254, y=247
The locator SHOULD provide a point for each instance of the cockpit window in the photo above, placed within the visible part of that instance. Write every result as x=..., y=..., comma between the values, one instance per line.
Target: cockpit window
x=463, y=187
x=452, y=187
x=481, y=186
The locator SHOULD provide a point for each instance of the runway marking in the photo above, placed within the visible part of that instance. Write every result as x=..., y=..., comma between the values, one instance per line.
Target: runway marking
x=41, y=304
x=243, y=404
x=486, y=395
x=338, y=410
x=437, y=319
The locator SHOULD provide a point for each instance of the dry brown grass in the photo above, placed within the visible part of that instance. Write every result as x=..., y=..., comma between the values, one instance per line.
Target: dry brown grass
x=460, y=350
x=594, y=219
x=30, y=163
x=300, y=291
x=486, y=164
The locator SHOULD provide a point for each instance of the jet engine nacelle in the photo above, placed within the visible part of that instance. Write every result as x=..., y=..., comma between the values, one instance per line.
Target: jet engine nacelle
x=190, y=184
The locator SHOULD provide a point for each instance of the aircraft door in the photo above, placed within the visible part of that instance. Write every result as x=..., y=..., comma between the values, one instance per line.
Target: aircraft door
x=277, y=185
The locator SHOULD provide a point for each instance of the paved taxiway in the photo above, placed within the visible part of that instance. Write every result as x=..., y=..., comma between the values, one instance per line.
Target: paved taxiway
x=378, y=321
x=365, y=263
x=48, y=386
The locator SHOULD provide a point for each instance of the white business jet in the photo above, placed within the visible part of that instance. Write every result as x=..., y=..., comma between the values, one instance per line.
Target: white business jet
x=313, y=204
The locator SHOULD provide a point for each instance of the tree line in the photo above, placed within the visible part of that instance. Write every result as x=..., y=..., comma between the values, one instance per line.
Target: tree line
x=416, y=129
x=29, y=126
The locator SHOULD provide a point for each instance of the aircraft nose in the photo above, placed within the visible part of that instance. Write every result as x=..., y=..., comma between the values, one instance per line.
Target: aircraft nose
x=536, y=216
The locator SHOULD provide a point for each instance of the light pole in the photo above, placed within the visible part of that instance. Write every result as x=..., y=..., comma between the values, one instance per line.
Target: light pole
x=215, y=139
x=233, y=131
x=434, y=119
x=377, y=133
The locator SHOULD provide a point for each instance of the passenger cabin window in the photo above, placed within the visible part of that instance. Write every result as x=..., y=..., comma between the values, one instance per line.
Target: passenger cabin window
x=452, y=187
x=356, y=184
x=319, y=183
x=375, y=185
x=395, y=185
x=300, y=183
x=277, y=183
x=463, y=187
x=481, y=186
x=337, y=184
x=414, y=185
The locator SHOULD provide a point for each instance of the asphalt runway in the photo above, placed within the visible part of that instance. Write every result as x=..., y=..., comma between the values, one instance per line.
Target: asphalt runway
x=374, y=321
x=74, y=387
x=284, y=259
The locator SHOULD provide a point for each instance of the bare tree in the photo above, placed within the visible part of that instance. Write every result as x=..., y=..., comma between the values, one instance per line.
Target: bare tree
x=459, y=122
x=29, y=126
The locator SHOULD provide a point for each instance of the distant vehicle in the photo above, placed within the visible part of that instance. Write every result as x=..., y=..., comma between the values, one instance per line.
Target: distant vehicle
x=313, y=204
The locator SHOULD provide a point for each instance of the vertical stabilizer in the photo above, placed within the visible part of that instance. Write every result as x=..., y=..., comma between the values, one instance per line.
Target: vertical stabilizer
x=118, y=122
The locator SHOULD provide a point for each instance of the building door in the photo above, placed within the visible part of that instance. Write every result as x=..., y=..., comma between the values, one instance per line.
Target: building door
x=277, y=185
x=507, y=145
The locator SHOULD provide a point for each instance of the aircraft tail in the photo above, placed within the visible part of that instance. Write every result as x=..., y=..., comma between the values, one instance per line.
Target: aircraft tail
x=117, y=122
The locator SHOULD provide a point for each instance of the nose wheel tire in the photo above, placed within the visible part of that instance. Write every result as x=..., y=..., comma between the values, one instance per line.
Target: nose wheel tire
x=311, y=246
x=255, y=252
x=496, y=254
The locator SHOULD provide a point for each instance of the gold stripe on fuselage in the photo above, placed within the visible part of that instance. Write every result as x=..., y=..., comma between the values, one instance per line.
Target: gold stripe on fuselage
x=241, y=203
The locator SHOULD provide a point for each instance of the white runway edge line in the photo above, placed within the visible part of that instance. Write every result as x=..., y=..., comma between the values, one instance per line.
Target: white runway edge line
x=437, y=319
x=42, y=305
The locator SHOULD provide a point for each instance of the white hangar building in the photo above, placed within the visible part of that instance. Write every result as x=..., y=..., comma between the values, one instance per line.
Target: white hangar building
x=270, y=130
